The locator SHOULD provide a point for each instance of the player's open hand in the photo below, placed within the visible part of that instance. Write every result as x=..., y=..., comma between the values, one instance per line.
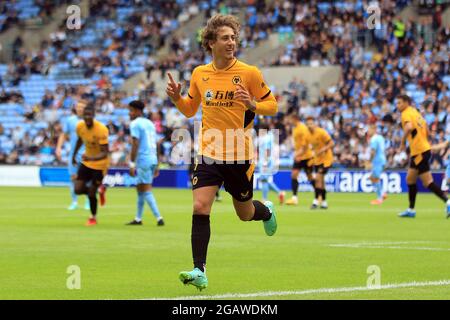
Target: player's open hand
x=242, y=95
x=173, y=89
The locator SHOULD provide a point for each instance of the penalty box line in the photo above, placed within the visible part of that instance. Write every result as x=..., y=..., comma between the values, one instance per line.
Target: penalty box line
x=310, y=291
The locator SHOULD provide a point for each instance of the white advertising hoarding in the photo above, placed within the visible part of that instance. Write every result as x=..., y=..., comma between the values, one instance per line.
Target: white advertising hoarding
x=20, y=176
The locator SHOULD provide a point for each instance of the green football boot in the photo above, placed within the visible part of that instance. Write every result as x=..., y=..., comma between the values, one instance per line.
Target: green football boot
x=270, y=226
x=196, y=277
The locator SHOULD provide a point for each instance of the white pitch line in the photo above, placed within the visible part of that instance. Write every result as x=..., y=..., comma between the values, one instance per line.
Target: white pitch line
x=310, y=291
x=368, y=243
x=368, y=246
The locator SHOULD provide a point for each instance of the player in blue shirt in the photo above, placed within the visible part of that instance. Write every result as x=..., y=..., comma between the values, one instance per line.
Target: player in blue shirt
x=69, y=126
x=266, y=163
x=143, y=160
x=378, y=161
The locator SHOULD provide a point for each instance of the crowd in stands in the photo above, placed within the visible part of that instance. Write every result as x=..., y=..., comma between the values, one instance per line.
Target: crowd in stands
x=17, y=12
x=122, y=37
x=401, y=61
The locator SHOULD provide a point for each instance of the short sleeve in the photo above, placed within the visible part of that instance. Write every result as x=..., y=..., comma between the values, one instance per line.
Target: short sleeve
x=78, y=128
x=65, y=125
x=134, y=131
x=298, y=136
x=103, y=139
x=325, y=137
x=193, y=90
x=373, y=144
x=406, y=117
x=258, y=87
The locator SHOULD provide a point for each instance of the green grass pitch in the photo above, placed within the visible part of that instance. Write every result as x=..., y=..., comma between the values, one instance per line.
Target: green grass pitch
x=40, y=239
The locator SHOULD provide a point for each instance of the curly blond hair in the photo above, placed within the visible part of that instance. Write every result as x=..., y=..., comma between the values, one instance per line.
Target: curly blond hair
x=209, y=33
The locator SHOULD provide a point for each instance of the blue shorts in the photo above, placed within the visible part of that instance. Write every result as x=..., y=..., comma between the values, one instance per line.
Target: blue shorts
x=265, y=176
x=265, y=172
x=70, y=167
x=144, y=174
x=447, y=172
x=377, y=170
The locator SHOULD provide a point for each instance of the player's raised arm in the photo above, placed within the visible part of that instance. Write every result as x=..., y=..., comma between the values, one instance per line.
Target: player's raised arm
x=187, y=106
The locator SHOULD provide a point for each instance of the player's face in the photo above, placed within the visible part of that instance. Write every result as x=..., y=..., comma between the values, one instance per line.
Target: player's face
x=133, y=113
x=88, y=117
x=311, y=125
x=225, y=44
x=370, y=132
x=292, y=121
x=401, y=105
x=80, y=108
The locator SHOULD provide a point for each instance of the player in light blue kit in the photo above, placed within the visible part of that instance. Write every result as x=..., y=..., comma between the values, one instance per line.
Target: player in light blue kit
x=378, y=161
x=69, y=126
x=143, y=160
x=446, y=146
x=266, y=163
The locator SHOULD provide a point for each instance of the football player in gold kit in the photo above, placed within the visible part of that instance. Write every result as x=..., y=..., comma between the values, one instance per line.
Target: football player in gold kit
x=231, y=93
x=415, y=131
x=322, y=147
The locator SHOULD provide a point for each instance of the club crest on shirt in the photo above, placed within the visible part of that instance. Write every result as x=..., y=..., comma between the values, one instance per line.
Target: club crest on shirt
x=209, y=95
x=237, y=80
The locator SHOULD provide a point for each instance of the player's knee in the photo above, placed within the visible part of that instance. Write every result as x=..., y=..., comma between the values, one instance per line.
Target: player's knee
x=79, y=189
x=427, y=180
x=411, y=180
x=201, y=206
